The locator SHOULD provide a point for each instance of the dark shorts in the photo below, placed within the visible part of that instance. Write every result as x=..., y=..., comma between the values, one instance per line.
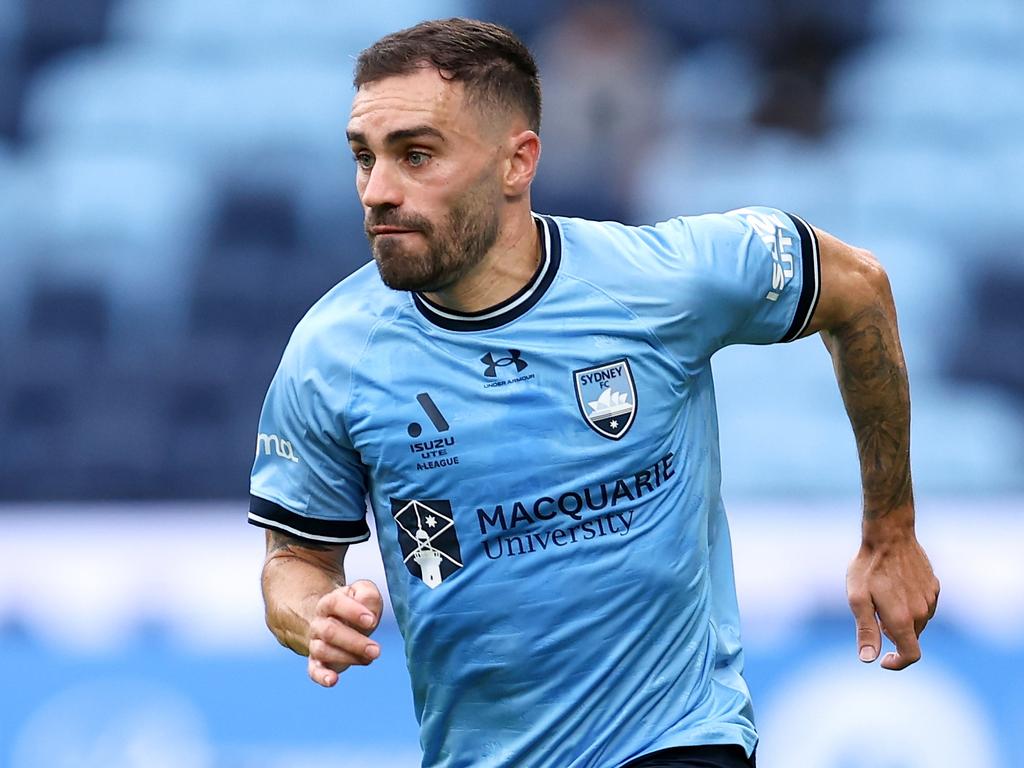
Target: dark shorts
x=711, y=756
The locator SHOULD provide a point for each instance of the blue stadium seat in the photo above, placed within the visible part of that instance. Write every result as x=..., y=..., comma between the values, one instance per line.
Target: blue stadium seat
x=706, y=174
x=909, y=90
x=224, y=112
x=728, y=71
x=119, y=440
x=19, y=229
x=34, y=418
x=207, y=450
x=124, y=221
x=232, y=26
x=12, y=22
x=966, y=439
x=783, y=429
x=996, y=24
x=12, y=67
x=774, y=439
x=79, y=314
x=960, y=196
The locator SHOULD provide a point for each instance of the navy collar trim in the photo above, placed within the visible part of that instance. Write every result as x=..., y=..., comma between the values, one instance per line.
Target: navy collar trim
x=514, y=306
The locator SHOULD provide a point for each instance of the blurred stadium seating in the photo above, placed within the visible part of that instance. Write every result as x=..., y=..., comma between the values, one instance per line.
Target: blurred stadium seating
x=175, y=191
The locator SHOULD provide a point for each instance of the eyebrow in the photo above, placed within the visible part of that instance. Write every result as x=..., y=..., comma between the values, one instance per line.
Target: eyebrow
x=402, y=134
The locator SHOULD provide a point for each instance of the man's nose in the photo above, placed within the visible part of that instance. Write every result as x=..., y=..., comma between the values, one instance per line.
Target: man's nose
x=382, y=188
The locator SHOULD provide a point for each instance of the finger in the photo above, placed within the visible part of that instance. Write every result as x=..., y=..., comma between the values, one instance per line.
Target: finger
x=331, y=633
x=934, y=602
x=341, y=605
x=339, y=659
x=908, y=649
x=921, y=621
x=869, y=639
x=320, y=674
x=367, y=593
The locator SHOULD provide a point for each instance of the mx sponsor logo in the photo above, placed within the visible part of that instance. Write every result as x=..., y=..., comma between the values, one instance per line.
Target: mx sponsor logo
x=272, y=445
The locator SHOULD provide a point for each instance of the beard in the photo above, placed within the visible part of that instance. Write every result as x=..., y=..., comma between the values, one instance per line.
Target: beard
x=453, y=246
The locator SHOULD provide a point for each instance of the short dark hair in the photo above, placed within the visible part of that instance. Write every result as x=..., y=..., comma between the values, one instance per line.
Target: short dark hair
x=496, y=66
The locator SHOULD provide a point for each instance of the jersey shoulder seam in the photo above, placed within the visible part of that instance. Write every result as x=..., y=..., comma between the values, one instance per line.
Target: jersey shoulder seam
x=632, y=313
x=379, y=323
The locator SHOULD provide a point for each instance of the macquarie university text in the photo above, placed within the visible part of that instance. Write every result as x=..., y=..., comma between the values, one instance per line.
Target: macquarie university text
x=592, y=512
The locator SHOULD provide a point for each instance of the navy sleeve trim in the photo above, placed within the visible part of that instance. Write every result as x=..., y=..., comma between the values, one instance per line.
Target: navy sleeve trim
x=810, y=272
x=267, y=514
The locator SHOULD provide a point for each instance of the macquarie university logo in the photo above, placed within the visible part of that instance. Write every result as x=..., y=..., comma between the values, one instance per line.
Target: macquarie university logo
x=426, y=533
x=606, y=396
x=515, y=357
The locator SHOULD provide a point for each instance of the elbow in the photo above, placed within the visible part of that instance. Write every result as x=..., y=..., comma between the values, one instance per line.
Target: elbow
x=863, y=294
x=870, y=289
x=271, y=610
x=873, y=274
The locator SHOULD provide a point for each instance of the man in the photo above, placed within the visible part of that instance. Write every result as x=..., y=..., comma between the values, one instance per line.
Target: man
x=527, y=402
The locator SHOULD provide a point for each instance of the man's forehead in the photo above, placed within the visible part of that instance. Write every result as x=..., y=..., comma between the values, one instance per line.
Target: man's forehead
x=423, y=97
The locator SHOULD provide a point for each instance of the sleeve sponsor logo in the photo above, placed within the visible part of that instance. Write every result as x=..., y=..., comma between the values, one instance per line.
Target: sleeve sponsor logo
x=272, y=445
x=772, y=231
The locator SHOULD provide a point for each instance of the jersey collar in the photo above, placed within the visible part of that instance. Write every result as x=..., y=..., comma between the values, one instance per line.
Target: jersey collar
x=514, y=306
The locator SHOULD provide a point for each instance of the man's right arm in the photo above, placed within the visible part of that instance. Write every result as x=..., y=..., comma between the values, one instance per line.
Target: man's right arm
x=311, y=610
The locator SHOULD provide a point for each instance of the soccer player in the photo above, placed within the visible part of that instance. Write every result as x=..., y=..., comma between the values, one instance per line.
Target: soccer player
x=526, y=401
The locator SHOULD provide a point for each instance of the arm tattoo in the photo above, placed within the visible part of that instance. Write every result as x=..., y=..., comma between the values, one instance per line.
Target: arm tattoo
x=279, y=541
x=873, y=380
x=294, y=547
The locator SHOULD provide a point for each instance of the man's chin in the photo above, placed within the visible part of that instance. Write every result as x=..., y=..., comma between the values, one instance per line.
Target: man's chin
x=404, y=280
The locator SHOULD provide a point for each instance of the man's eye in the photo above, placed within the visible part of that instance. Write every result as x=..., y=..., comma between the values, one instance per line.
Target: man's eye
x=416, y=159
x=364, y=160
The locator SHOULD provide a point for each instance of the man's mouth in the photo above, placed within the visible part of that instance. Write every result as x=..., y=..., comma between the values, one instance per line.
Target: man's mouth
x=388, y=230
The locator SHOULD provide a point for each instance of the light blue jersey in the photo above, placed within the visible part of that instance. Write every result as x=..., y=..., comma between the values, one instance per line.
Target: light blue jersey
x=544, y=477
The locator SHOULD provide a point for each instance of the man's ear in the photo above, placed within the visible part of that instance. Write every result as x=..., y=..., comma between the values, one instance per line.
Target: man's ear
x=521, y=166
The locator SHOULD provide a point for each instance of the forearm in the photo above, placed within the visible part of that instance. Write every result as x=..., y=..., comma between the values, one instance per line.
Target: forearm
x=872, y=378
x=292, y=585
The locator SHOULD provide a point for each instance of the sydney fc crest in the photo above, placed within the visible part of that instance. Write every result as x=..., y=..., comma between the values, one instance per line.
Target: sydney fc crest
x=426, y=533
x=606, y=395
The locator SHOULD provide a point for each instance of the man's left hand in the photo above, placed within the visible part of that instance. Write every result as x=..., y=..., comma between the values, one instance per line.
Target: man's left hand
x=890, y=584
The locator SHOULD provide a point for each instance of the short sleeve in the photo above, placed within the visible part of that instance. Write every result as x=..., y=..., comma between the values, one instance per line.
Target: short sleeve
x=307, y=480
x=753, y=277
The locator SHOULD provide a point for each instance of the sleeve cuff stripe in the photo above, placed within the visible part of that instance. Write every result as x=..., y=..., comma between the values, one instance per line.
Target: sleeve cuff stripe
x=810, y=264
x=269, y=514
x=262, y=522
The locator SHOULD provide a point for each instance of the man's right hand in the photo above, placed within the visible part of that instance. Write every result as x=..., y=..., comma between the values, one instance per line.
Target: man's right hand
x=340, y=628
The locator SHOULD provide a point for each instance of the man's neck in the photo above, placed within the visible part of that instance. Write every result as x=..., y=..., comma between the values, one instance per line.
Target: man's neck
x=504, y=270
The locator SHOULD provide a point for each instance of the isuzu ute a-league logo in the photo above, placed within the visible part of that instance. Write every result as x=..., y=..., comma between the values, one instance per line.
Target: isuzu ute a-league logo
x=426, y=532
x=606, y=396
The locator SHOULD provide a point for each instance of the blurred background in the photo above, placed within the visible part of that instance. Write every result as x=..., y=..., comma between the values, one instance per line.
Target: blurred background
x=175, y=192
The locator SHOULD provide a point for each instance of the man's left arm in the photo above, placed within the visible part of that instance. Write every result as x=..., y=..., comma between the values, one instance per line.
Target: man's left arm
x=890, y=580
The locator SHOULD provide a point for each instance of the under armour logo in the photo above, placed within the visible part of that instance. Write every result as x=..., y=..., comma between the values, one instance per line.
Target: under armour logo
x=514, y=358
